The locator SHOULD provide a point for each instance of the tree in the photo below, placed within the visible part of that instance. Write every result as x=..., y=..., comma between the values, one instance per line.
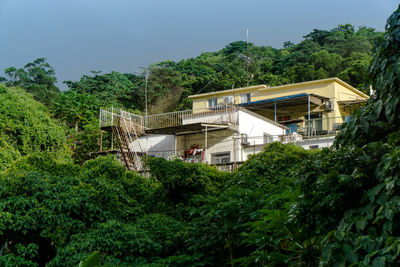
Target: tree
x=110, y=89
x=37, y=78
x=76, y=109
x=26, y=127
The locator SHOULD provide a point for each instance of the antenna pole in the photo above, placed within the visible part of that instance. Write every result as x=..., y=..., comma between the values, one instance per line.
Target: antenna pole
x=247, y=56
x=146, y=76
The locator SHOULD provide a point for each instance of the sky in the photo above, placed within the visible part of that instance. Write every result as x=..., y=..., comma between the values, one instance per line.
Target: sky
x=78, y=36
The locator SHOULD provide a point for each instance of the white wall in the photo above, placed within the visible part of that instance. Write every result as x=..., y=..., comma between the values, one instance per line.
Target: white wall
x=255, y=128
x=320, y=142
x=218, y=141
x=158, y=145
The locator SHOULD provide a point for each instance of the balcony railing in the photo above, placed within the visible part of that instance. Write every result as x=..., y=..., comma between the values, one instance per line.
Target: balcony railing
x=220, y=115
x=113, y=117
x=316, y=127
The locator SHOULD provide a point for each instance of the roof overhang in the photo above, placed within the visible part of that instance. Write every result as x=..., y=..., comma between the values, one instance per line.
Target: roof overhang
x=351, y=102
x=262, y=117
x=263, y=88
x=285, y=101
x=229, y=92
x=187, y=128
x=313, y=83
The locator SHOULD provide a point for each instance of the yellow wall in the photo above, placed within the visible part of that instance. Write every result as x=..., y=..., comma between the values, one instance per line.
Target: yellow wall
x=332, y=88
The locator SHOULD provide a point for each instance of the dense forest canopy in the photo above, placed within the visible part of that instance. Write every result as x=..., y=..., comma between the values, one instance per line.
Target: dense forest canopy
x=284, y=207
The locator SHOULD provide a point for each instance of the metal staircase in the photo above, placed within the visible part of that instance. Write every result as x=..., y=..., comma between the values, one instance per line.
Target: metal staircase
x=128, y=137
x=126, y=132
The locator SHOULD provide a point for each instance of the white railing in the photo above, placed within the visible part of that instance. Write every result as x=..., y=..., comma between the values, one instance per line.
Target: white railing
x=113, y=117
x=220, y=115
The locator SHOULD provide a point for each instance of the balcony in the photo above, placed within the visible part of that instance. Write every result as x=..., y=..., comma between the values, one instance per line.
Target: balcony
x=172, y=122
x=316, y=127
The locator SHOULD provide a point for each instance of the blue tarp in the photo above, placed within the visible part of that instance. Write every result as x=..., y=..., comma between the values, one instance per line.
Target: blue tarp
x=273, y=99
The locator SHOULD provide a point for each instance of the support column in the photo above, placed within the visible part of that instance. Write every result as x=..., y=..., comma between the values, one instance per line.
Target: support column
x=308, y=122
x=175, y=144
x=275, y=111
x=101, y=141
x=234, y=154
x=112, y=140
x=205, y=146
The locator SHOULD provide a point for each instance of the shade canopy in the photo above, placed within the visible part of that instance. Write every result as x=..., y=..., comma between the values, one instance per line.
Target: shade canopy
x=285, y=101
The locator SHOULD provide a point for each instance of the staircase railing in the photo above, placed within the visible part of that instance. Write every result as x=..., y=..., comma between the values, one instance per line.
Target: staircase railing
x=130, y=132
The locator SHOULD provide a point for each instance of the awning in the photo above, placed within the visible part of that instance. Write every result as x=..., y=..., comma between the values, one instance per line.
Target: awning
x=285, y=101
x=187, y=128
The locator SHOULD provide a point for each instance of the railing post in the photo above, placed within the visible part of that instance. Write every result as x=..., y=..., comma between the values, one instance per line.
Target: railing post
x=112, y=115
x=100, y=119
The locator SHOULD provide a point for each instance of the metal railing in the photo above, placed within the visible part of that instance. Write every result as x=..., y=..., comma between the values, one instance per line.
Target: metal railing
x=317, y=127
x=113, y=117
x=219, y=115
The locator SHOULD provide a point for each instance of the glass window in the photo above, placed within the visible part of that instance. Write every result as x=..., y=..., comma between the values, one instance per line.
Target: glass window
x=221, y=158
x=212, y=102
x=245, y=98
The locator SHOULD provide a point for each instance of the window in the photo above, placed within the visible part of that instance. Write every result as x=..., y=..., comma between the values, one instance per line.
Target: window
x=221, y=158
x=245, y=98
x=212, y=102
x=228, y=99
x=268, y=138
x=313, y=147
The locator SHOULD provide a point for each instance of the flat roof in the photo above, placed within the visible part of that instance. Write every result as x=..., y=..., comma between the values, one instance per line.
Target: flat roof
x=187, y=128
x=264, y=88
x=236, y=90
x=285, y=101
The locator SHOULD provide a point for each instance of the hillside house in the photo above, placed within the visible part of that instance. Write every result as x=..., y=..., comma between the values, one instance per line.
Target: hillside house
x=225, y=127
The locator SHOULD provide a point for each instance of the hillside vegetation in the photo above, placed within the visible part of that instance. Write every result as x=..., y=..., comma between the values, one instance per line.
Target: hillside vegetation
x=26, y=127
x=284, y=207
x=344, y=52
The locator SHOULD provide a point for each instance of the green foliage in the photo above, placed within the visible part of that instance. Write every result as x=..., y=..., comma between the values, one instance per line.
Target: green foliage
x=79, y=112
x=181, y=180
x=284, y=207
x=76, y=109
x=49, y=204
x=358, y=183
x=26, y=127
x=225, y=225
x=37, y=78
x=110, y=89
x=91, y=261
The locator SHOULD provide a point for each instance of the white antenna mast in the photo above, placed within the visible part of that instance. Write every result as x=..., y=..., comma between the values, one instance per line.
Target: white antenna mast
x=247, y=56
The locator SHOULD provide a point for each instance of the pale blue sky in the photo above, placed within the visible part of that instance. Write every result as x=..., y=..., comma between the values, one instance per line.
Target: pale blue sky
x=77, y=36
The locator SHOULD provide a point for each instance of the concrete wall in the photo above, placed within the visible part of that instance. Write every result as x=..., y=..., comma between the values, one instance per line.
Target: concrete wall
x=218, y=141
x=255, y=127
x=313, y=143
x=158, y=145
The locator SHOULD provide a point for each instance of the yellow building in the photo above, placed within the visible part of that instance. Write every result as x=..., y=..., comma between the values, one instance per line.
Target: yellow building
x=314, y=107
x=226, y=127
